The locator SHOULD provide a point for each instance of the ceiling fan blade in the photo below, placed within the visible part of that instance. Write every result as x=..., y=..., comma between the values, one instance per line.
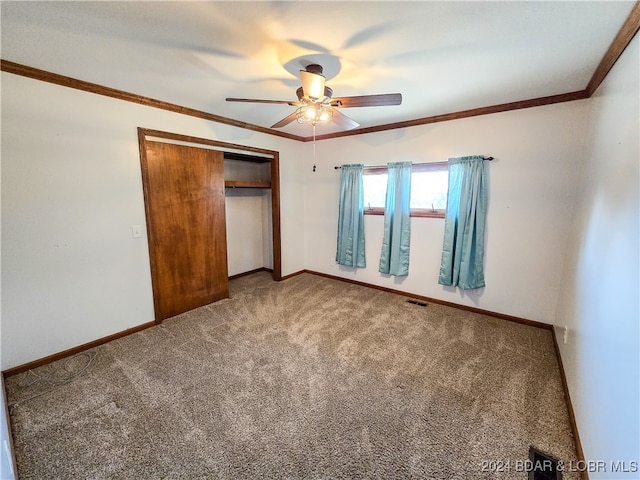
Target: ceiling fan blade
x=368, y=100
x=344, y=121
x=312, y=85
x=253, y=100
x=285, y=121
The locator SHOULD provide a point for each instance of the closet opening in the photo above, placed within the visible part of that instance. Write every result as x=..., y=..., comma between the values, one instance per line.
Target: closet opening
x=212, y=212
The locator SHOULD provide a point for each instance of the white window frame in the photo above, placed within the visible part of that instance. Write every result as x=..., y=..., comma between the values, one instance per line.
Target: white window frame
x=416, y=167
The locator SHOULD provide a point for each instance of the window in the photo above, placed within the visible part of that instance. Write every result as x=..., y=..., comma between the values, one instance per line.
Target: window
x=429, y=182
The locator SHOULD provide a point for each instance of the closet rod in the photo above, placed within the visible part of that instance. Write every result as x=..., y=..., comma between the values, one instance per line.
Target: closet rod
x=384, y=166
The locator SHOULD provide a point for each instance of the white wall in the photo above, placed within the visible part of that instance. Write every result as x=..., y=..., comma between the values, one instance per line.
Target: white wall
x=600, y=288
x=71, y=191
x=531, y=183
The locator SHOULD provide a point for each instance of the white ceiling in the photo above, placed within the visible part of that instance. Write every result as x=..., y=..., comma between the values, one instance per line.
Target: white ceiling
x=442, y=56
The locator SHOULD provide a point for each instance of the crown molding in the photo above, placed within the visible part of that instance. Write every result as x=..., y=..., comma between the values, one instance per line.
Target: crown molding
x=63, y=80
x=617, y=47
x=474, y=112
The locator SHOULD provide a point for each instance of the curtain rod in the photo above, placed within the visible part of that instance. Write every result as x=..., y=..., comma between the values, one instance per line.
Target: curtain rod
x=383, y=166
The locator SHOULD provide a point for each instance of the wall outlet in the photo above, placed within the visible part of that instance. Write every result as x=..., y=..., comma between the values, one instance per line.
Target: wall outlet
x=565, y=334
x=136, y=231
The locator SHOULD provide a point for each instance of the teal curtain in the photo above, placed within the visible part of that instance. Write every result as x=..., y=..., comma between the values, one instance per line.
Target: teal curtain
x=350, y=249
x=394, y=258
x=463, y=249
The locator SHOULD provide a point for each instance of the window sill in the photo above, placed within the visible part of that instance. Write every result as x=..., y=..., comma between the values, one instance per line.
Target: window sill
x=415, y=212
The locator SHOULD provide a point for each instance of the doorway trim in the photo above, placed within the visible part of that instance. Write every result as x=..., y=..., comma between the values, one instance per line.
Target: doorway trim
x=272, y=155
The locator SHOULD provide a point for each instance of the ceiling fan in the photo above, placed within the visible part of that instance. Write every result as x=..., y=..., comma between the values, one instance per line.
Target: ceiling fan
x=317, y=106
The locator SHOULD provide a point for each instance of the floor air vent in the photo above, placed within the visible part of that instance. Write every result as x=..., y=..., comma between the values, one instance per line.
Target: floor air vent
x=417, y=302
x=542, y=466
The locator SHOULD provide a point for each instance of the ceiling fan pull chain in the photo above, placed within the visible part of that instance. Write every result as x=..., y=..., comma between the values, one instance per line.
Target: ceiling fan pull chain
x=314, y=147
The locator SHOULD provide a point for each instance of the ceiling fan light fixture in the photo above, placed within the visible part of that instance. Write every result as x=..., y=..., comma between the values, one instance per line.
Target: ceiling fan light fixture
x=312, y=85
x=314, y=114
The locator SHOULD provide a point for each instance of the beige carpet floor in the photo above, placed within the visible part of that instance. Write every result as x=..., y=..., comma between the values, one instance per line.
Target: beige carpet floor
x=305, y=378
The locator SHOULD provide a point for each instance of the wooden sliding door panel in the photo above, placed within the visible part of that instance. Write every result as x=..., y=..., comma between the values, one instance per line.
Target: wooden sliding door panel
x=184, y=196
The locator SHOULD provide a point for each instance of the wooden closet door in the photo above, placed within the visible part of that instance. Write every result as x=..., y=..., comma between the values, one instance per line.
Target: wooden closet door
x=184, y=200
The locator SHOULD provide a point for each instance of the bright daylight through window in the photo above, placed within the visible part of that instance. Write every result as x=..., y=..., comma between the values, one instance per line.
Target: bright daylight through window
x=428, y=189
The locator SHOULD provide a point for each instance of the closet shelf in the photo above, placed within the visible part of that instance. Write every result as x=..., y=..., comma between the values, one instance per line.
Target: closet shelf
x=239, y=184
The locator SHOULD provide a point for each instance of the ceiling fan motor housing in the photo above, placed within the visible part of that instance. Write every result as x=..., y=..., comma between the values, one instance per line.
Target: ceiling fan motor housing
x=328, y=93
x=314, y=68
